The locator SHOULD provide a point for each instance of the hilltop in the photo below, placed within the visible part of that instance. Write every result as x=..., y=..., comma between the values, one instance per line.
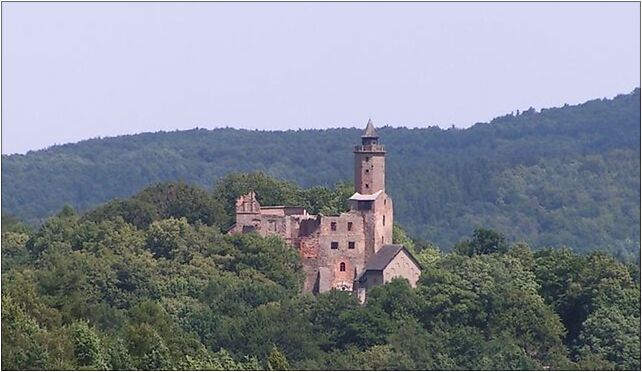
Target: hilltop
x=561, y=176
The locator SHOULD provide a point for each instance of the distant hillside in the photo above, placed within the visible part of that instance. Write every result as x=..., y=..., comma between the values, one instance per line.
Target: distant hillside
x=562, y=176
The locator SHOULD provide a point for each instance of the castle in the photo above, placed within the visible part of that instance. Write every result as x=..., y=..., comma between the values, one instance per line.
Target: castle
x=352, y=251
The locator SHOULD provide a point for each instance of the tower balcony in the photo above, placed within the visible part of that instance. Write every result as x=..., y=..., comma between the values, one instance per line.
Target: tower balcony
x=370, y=148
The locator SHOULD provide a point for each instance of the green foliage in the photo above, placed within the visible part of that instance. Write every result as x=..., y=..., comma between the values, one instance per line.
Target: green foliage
x=399, y=236
x=98, y=291
x=164, y=201
x=13, y=224
x=14, y=249
x=484, y=241
x=168, y=238
x=22, y=346
x=613, y=336
x=593, y=295
x=561, y=176
x=276, y=361
x=325, y=315
x=87, y=348
x=494, y=297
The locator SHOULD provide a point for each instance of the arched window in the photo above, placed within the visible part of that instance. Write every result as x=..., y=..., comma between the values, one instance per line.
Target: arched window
x=342, y=266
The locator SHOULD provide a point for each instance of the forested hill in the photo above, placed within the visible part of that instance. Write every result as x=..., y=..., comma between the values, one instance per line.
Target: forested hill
x=562, y=176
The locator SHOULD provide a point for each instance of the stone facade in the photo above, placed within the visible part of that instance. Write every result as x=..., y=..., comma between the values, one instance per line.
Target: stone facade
x=336, y=250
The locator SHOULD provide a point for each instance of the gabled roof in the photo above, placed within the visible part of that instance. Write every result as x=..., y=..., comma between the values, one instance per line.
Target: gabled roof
x=370, y=131
x=364, y=197
x=382, y=258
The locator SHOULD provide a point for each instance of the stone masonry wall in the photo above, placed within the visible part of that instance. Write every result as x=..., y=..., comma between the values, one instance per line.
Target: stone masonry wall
x=369, y=172
x=402, y=266
x=317, y=249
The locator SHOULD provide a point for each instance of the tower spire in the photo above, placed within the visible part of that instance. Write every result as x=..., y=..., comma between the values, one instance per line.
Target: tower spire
x=370, y=161
x=370, y=131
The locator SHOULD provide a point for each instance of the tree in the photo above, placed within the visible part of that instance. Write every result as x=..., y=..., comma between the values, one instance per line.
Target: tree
x=87, y=348
x=613, y=337
x=14, y=250
x=484, y=241
x=22, y=348
x=276, y=361
x=180, y=200
x=168, y=238
x=417, y=348
x=325, y=316
x=396, y=298
x=118, y=357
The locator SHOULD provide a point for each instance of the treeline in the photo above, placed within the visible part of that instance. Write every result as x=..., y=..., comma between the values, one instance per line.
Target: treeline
x=562, y=176
x=153, y=282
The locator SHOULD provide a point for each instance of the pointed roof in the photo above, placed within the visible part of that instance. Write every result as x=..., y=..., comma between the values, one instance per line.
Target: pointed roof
x=370, y=131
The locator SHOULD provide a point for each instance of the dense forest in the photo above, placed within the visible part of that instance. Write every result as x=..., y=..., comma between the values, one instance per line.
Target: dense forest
x=152, y=282
x=562, y=176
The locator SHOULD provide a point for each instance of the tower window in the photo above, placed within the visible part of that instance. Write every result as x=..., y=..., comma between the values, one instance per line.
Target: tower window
x=349, y=226
x=367, y=158
x=333, y=226
x=384, y=201
x=382, y=240
x=342, y=267
x=350, y=245
x=367, y=186
x=384, y=220
x=367, y=171
x=334, y=245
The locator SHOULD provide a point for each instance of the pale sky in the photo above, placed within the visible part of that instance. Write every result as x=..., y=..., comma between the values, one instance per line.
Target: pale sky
x=72, y=71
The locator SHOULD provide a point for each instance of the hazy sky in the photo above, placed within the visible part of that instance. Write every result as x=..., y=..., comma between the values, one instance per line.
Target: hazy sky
x=73, y=71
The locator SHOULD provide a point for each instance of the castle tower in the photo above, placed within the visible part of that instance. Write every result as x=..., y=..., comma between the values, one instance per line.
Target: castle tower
x=370, y=198
x=369, y=163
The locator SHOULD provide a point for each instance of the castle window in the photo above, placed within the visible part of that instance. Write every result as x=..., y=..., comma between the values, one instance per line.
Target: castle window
x=349, y=226
x=342, y=267
x=334, y=245
x=350, y=245
x=333, y=226
x=367, y=186
x=382, y=240
x=384, y=220
x=384, y=201
x=367, y=171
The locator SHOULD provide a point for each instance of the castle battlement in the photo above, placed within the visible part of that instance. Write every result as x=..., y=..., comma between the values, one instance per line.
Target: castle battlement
x=369, y=148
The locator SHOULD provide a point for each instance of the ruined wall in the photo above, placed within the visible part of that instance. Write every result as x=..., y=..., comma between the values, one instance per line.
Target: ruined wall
x=330, y=248
x=402, y=266
x=271, y=220
x=263, y=224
